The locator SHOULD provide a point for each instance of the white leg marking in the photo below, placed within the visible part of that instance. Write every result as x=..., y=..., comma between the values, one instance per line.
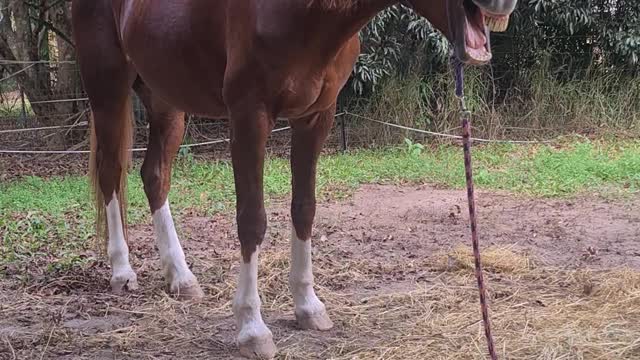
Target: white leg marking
x=176, y=271
x=118, y=251
x=310, y=311
x=254, y=338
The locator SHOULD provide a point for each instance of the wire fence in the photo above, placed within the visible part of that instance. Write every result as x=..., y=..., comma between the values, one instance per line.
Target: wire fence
x=342, y=125
x=53, y=120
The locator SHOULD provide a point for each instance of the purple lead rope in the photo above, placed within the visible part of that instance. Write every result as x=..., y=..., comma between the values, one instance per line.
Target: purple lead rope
x=466, y=144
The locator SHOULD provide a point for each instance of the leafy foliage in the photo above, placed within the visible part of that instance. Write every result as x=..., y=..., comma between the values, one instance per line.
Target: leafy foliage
x=390, y=43
x=576, y=36
x=580, y=35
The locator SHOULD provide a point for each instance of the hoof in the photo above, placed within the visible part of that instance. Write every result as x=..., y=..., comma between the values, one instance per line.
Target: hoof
x=317, y=321
x=188, y=291
x=123, y=281
x=258, y=348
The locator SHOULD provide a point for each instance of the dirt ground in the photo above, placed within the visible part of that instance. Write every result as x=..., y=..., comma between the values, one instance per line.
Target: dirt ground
x=392, y=266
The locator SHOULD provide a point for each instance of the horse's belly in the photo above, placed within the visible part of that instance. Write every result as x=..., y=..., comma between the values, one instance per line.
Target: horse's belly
x=189, y=91
x=179, y=54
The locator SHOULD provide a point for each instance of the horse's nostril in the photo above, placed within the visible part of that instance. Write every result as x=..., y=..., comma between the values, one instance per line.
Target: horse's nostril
x=500, y=7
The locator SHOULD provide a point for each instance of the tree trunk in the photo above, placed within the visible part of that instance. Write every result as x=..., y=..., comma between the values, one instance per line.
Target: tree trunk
x=32, y=32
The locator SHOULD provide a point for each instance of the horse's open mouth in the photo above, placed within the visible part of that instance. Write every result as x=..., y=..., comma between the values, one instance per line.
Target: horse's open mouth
x=478, y=24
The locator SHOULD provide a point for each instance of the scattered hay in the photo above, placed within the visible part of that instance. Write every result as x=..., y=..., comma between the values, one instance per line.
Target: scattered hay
x=619, y=284
x=430, y=312
x=494, y=259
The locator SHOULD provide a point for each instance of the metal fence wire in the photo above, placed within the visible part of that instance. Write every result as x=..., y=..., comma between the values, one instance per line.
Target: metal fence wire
x=53, y=119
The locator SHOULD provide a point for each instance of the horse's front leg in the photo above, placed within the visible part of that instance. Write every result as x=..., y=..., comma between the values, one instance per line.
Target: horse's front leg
x=250, y=131
x=309, y=135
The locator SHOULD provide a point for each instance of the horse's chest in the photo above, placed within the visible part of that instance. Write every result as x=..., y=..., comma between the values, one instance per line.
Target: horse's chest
x=306, y=95
x=317, y=90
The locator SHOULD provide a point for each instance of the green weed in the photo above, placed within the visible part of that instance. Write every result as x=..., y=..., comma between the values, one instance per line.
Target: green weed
x=53, y=217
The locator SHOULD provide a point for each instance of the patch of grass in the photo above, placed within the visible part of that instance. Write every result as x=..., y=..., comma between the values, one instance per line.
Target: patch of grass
x=536, y=170
x=54, y=216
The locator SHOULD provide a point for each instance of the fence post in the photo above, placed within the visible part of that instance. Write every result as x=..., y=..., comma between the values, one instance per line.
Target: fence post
x=23, y=108
x=343, y=130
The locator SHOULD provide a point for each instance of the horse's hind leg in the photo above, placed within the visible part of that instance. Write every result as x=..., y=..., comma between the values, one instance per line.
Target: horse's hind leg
x=309, y=135
x=166, y=128
x=107, y=78
x=111, y=127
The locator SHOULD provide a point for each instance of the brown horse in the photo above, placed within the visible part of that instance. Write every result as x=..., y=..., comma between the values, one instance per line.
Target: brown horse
x=251, y=61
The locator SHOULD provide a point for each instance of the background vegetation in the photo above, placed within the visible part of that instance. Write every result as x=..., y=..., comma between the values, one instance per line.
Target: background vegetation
x=562, y=66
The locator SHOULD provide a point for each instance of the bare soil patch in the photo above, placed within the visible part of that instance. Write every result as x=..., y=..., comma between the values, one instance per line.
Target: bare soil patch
x=393, y=267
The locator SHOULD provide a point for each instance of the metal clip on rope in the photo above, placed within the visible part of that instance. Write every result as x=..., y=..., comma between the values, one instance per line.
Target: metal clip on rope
x=466, y=142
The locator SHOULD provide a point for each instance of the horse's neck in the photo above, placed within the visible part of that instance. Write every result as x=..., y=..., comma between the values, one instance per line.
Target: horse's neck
x=365, y=10
x=344, y=25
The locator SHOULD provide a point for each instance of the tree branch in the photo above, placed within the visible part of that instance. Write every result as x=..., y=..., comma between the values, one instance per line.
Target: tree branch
x=55, y=30
x=54, y=4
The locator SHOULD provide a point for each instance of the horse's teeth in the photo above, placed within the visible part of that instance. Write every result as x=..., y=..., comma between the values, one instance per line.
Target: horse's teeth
x=496, y=24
